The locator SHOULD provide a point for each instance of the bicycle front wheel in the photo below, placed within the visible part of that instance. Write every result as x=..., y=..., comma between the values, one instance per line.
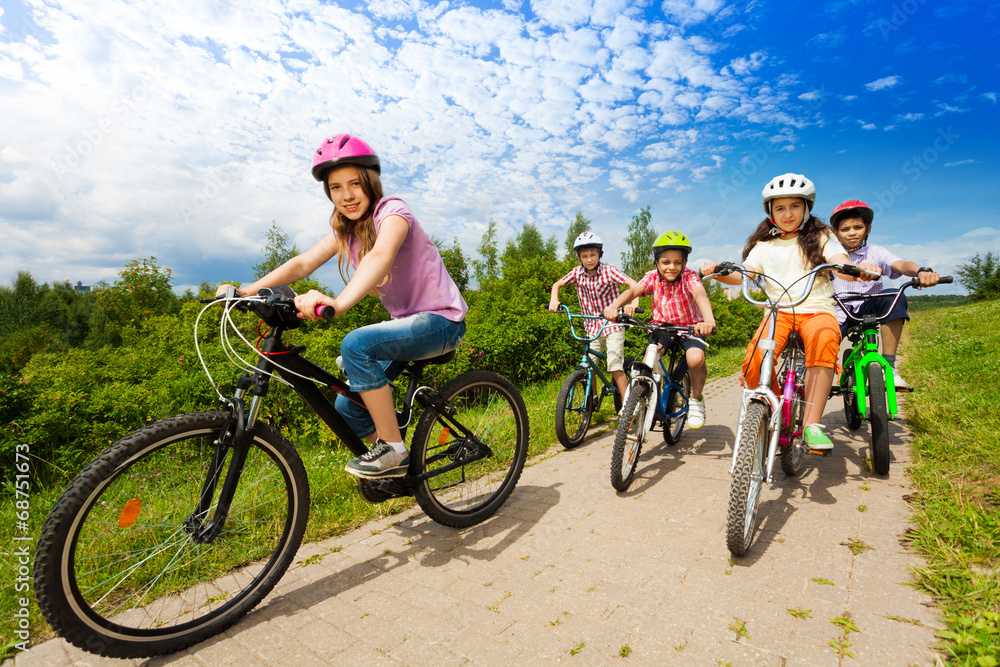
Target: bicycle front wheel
x=120, y=570
x=491, y=408
x=629, y=436
x=573, y=409
x=676, y=402
x=878, y=412
x=748, y=479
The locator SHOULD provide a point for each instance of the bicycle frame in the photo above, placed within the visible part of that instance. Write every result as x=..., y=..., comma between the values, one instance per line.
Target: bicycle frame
x=303, y=376
x=762, y=392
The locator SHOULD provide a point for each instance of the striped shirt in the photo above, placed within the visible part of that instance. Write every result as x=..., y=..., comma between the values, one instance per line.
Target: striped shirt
x=872, y=254
x=673, y=302
x=596, y=293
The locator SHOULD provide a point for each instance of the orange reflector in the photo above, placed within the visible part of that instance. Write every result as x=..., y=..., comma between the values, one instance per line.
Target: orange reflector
x=129, y=513
x=445, y=434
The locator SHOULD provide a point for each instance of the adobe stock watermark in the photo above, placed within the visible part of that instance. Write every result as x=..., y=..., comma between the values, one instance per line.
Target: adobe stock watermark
x=93, y=137
x=752, y=162
x=213, y=186
x=914, y=169
x=21, y=549
x=901, y=13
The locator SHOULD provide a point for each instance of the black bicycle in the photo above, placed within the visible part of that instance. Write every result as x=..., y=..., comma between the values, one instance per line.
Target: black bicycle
x=179, y=529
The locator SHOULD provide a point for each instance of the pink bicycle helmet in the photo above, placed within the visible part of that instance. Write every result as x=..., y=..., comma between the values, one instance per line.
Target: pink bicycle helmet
x=343, y=149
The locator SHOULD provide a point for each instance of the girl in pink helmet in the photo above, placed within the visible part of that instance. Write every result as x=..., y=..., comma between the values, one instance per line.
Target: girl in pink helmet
x=787, y=245
x=391, y=256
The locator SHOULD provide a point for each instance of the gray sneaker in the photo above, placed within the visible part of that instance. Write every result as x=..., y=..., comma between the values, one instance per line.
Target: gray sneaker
x=380, y=461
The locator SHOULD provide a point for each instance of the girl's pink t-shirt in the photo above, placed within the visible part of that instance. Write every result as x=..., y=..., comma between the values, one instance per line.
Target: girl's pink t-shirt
x=418, y=280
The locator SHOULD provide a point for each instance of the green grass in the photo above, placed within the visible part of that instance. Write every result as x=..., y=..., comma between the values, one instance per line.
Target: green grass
x=952, y=357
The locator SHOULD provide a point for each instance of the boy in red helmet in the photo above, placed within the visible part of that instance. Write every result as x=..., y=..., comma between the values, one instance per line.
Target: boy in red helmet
x=852, y=221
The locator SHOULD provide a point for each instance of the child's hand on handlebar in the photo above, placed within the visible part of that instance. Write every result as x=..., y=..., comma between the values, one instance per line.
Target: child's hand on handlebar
x=306, y=304
x=554, y=306
x=703, y=329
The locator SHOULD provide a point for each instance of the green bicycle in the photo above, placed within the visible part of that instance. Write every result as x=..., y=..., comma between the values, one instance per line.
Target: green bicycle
x=866, y=382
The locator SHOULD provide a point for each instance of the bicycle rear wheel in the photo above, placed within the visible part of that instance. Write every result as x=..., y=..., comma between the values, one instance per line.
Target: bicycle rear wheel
x=748, y=479
x=119, y=571
x=878, y=412
x=676, y=401
x=491, y=408
x=629, y=436
x=573, y=409
x=793, y=453
x=851, y=411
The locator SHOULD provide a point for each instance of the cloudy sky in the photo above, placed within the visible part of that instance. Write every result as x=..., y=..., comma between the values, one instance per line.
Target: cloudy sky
x=182, y=130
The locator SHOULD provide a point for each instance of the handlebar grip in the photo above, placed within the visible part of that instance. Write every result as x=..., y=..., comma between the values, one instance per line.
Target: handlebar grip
x=851, y=270
x=326, y=312
x=945, y=279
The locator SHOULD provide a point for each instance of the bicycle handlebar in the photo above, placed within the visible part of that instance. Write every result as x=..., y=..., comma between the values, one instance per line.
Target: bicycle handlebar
x=725, y=268
x=896, y=296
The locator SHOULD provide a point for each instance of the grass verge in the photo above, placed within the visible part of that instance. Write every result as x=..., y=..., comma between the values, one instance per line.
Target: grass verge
x=953, y=356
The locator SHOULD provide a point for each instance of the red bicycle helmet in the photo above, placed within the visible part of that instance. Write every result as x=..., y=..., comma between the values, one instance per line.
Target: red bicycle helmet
x=854, y=208
x=343, y=149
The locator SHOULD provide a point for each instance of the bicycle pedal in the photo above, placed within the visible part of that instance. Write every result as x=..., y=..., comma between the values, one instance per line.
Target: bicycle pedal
x=819, y=452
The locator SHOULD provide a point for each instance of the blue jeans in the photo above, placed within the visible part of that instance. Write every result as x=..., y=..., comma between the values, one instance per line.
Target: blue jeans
x=375, y=355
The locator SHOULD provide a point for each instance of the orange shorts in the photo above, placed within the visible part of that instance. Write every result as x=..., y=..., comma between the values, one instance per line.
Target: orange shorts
x=820, y=336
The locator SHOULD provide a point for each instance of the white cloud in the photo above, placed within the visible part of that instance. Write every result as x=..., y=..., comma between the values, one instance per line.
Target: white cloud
x=992, y=97
x=687, y=12
x=957, y=164
x=909, y=116
x=883, y=83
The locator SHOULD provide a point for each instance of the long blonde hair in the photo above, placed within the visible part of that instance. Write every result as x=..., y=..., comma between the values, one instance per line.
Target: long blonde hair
x=364, y=229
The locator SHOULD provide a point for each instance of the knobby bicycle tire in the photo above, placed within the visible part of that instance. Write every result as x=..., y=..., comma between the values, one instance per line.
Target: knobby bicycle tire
x=117, y=570
x=491, y=407
x=573, y=409
x=629, y=436
x=878, y=412
x=748, y=479
x=677, y=400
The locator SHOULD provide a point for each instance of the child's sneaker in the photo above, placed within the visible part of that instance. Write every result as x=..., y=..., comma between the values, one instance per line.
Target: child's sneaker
x=898, y=380
x=380, y=461
x=696, y=413
x=816, y=439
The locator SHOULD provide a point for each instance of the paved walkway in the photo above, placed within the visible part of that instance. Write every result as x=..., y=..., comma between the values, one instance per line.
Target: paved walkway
x=571, y=572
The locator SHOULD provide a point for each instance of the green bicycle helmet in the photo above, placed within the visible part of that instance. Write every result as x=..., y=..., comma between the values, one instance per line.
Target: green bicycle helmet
x=671, y=241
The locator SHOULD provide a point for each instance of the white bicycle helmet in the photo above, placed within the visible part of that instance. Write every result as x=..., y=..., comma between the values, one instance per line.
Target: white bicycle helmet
x=789, y=185
x=588, y=240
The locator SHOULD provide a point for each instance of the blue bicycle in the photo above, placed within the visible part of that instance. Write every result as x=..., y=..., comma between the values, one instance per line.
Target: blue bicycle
x=578, y=397
x=658, y=392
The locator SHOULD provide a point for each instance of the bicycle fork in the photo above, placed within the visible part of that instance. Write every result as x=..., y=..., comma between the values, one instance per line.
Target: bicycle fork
x=773, y=405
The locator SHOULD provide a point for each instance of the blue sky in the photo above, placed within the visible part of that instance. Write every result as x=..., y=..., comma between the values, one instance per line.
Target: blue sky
x=181, y=131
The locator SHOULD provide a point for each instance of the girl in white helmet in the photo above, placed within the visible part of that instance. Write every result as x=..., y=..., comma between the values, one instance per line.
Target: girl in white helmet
x=788, y=244
x=597, y=285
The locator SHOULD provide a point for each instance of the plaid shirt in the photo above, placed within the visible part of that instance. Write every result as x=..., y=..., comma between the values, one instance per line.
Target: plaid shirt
x=673, y=302
x=872, y=254
x=596, y=293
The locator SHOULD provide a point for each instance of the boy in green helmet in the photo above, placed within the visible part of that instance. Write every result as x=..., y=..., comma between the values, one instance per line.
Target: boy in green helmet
x=680, y=299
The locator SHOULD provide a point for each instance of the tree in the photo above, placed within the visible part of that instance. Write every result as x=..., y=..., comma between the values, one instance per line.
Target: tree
x=577, y=227
x=981, y=275
x=276, y=251
x=454, y=261
x=487, y=268
x=142, y=291
x=637, y=259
